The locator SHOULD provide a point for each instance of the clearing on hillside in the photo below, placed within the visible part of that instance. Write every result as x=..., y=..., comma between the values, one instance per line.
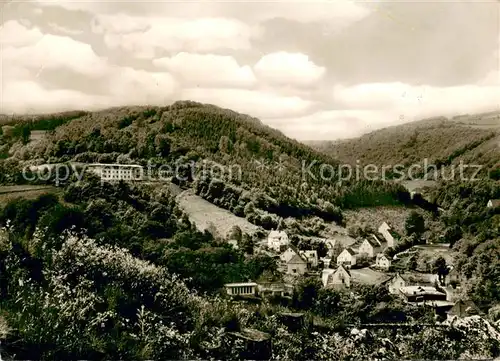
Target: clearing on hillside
x=8, y=193
x=202, y=213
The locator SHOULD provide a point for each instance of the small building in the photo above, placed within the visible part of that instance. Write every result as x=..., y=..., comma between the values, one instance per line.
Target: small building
x=341, y=277
x=296, y=265
x=369, y=247
x=290, y=251
x=256, y=345
x=387, y=234
x=463, y=309
x=493, y=203
x=311, y=256
x=395, y=283
x=276, y=240
x=347, y=258
x=234, y=243
x=116, y=172
x=422, y=294
x=326, y=262
x=383, y=262
x=275, y=289
x=241, y=289
x=325, y=274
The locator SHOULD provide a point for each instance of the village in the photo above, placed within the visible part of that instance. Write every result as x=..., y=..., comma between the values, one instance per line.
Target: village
x=351, y=262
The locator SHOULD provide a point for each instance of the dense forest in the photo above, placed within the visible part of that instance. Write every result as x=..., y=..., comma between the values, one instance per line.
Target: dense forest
x=441, y=141
x=230, y=159
x=117, y=270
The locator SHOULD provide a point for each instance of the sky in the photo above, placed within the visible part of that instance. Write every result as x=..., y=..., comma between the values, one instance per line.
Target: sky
x=316, y=70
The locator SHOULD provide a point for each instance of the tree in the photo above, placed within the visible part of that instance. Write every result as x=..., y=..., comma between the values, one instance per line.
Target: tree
x=440, y=268
x=415, y=224
x=236, y=233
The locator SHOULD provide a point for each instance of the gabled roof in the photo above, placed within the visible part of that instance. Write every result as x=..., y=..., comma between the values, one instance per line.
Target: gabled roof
x=296, y=259
x=372, y=242
x=293, y=248
x=381, y=255
x=351, y=251
x=274, y=234
x=464, y=309
x=343, y=268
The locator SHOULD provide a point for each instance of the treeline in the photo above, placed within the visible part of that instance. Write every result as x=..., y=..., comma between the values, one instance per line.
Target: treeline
x=474, y=231
x=291, y=175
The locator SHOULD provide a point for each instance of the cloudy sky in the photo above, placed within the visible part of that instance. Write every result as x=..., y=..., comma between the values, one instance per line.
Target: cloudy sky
x=313, y=69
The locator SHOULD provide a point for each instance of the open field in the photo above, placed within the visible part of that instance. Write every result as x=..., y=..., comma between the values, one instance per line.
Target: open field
x=202, y=213
x=375, y=216
x=8, y=193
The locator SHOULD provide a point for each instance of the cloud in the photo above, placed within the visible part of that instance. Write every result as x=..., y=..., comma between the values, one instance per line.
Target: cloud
x=414, y=102
x=131, y=86
x=207, y=70
x=288, y=68
x=27, y=96
x=333, y=124
x=55, y=52
x=61, y=29
x=256, y=103
x=144, y=37
x=13, y=33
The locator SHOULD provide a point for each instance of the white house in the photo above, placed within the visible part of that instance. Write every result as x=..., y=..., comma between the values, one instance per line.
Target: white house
x=325, y=274
x=296, y=265
x=493, y=203
x=311, y=257
x=386, y=231
x=116, y=172
x=241, y=289
x=289, y=253
x=396, y=283
x=369, y=248
x=347, y=257
x=383, y=262
x=277, y=239
x=341, y=277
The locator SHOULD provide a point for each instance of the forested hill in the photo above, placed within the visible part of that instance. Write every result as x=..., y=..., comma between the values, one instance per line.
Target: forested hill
x=267, y=175
x=471, y=138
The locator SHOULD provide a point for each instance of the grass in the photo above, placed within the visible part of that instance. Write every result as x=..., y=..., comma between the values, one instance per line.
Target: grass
x=203, y=213
x=8, y=193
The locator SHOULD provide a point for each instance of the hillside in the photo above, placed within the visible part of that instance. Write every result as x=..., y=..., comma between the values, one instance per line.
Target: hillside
x=472, y=139
x=230, y=159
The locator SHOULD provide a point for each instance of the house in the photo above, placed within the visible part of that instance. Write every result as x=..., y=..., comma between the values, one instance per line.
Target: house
x=275, y=289
x=325, y=274
x=296, y=265
x=326, y=262
x=493, y=203
x=463, y=309
x=234, y=243
x=311, y=256
x=347, y=257
x=382, y=262
x=417, y=294
x=277, y=239
x=369, y=247
x=290, y=251
x=116, y=172
x=387, y=234
x=241, y=289
x=368, y=276
x=396, y=283
x=341, y=277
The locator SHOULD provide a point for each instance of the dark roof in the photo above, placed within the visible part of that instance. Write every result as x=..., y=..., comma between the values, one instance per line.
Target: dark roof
x=345, y=269
x=296, y=259
x=372, y=242
x=464, y=309
x=351, y=251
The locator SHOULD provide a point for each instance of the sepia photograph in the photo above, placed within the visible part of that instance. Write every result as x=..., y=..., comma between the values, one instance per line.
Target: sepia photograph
x=250, y=180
